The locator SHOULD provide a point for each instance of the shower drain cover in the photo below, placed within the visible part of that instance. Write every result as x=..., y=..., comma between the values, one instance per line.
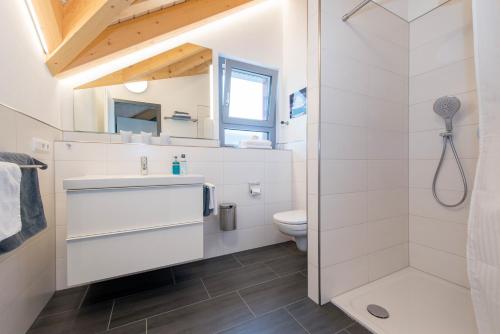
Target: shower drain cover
x=377, y=311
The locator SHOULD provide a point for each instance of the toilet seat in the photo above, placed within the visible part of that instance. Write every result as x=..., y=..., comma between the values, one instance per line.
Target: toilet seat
x=294, y=217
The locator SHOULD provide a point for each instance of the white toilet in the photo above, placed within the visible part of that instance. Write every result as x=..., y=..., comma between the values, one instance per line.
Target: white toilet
x=293, y=223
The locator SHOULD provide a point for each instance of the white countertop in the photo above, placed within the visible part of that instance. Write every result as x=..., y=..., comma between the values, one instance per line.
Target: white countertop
x=124, y=181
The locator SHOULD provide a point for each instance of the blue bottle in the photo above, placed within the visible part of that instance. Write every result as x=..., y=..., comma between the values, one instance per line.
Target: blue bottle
x=176, y=167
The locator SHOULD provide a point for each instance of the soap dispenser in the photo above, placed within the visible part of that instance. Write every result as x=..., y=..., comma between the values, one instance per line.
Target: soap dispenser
x=176, y=167
x=183, y=163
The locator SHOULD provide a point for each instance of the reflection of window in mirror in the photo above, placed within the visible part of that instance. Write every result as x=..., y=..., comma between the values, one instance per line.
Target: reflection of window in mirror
x=137, y=117
x=248, y=102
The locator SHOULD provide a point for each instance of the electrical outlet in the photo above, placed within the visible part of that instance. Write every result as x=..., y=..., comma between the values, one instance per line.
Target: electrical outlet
x=40, y=145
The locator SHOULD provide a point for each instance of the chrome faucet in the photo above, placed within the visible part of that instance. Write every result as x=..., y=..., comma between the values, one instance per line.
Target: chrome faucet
x=144, y=165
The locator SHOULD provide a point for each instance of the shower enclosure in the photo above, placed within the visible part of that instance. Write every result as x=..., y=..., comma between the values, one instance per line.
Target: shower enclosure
x=377, y=235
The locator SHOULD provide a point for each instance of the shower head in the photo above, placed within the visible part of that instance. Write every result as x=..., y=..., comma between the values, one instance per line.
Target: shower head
x=447, y=107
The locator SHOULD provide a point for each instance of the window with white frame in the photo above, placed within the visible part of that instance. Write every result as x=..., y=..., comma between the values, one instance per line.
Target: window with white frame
x=247, y=102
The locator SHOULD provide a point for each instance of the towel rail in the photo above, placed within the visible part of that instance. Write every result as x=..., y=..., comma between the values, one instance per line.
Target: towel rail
x=38, y=164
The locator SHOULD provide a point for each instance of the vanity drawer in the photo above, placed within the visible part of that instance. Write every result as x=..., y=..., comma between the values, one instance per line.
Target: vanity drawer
x=111, y=255
x=108, y=210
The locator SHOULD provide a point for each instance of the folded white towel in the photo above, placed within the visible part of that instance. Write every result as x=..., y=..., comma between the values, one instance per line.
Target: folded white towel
x=212, y=204
x=242, y=145
x=257, y=142
x=10, y=199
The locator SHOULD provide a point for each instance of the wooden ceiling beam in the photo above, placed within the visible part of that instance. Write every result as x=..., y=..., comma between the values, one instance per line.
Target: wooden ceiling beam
x=127, y=36
x=183, y=66
x=83, y=21
x=50, y=17
x=149, y=66
x=197, y=70
x=160, y=61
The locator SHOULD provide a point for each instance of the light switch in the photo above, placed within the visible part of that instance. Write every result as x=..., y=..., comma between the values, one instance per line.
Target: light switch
x=40, y=145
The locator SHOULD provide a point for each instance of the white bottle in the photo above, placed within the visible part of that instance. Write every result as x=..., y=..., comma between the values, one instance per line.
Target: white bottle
x=183, y=162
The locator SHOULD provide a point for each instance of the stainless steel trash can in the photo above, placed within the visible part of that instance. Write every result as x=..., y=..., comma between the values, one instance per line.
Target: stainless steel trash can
x=227, y=216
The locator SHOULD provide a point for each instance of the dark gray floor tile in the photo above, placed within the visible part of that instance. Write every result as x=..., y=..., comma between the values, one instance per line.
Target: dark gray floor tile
x=238, y=278
x=204, y=268
x=304, y=272
x=90, y=319
x=153, y=302
x=288, y=264
x=358, y=329
x=291, y=246
x=134, y=328
x=277, y=322
x=206, y=317
x=319, y=319
x=64, y=300
x=124, y=286
x=54, y=324
x=279, y=292
x=261, y=254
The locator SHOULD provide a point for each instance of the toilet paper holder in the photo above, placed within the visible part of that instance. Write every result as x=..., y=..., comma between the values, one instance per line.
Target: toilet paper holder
x=254, y=188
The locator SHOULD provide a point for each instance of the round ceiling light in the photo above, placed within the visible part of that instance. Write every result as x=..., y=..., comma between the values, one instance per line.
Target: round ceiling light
x=137, y=86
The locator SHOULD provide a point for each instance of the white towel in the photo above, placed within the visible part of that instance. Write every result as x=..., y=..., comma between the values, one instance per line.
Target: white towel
x=258, y=142
x=10, y=199
x=212, y=204
x=256, y=147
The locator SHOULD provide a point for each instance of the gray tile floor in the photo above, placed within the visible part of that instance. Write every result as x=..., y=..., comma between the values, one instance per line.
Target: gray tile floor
x=262, y=290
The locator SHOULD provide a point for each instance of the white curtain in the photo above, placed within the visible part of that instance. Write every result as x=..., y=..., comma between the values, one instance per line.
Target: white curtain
x=483, y=250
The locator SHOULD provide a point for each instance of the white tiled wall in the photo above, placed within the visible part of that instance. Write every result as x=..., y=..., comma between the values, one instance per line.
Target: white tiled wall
x=441, y=63
x=380, y=143
x=294, y=78
x=229, y=169
x=363, y=171
x=27, y=274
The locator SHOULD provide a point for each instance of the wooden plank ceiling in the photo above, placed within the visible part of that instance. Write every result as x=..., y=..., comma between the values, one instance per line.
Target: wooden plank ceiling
x=82, y=32
x=185, y=60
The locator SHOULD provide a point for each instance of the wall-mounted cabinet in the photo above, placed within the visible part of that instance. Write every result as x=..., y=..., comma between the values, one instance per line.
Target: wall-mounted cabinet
x=120, y=225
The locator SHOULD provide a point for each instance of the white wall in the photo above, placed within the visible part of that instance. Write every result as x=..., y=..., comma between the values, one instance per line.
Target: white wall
x=378, y=158
x=363, y=132
x=27, y=274
x=294, y=78
x=26, y=84
x=410, y=9
x=441, y=63
x=229, y=169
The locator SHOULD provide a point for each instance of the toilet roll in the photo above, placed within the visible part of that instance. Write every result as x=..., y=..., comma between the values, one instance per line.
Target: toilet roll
x=255, y=189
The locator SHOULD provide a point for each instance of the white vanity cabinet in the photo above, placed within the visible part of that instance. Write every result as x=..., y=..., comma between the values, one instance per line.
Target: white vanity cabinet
x=119, y=225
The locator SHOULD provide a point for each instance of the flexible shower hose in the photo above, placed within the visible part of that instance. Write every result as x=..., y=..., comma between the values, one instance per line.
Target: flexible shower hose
x=448, y=137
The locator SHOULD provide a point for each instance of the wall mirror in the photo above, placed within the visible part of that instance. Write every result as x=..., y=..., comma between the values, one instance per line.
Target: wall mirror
x=170, y=93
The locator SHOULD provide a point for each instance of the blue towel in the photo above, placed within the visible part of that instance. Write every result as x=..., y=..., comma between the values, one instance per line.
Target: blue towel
x=32, y=214
x=206, y=201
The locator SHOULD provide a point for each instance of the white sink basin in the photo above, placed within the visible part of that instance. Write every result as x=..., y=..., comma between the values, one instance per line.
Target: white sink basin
x=124, y=181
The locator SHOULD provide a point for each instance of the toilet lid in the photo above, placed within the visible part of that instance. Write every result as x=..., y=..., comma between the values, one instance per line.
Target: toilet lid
x=295, y=217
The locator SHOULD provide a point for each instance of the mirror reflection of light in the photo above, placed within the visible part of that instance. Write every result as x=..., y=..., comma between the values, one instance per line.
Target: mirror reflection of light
x=136, y=86
x=166, y=43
